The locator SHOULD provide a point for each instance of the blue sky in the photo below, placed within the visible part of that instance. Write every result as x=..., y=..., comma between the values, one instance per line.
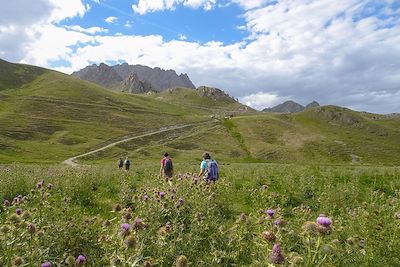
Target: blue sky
x=340, y=52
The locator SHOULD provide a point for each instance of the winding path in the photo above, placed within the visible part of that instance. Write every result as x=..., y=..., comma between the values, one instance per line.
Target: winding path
x=71, y=161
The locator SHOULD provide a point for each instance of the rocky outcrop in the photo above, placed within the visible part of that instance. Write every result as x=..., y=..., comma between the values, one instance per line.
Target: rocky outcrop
x=111, y=77
x=286, y=107
x=214, y=93
x=132, y=84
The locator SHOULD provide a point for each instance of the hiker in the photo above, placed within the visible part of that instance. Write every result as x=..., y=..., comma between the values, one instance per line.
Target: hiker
x=120, y=163
x=127, y=164
x=209, y=169
x=166, y=169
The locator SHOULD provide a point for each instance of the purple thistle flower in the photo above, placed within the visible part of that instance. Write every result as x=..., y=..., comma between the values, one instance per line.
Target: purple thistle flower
x=46, y=264
x=40, y=184
x=6, y=202
x=80, y=259
x=324, y=221
x=161, y=194
x=270, y=212
x=277, y=249
x=125, y=226
x=146, y=197
x=18, y=211
x=276, y=255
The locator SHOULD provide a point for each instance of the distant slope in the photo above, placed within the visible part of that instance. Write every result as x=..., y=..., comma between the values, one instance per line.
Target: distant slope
x=291, y=107
x=133, y=78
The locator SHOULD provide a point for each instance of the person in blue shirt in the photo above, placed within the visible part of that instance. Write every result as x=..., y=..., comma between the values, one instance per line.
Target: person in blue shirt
x=209, y=168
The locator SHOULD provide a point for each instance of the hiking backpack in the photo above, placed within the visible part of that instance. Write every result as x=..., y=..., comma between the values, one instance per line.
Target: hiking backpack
x=212, y=170
x=127, y=162
x=168, y=166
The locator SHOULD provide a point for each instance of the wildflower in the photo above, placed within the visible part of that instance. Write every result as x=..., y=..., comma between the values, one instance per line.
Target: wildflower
x=40, y=184
x=270, y=213
x=324, y=221
x=127, y=215
x=146, y=197
x=50, y=186
x=324, y=224
x=46, y=264
x=80, y=259
x=17, y=261
x=181, y=261
x=280, y=222
x=397, y=215
x=6, y=202
x=125, y=227
x=264, y=187
x=179, y=203
x=168, y=226
x=138, y=223
x=31, y=228
x=130, y=242
x=18, y=211
x=276, y=255
x=161, y=194
x=269, y=236
x=147, y=264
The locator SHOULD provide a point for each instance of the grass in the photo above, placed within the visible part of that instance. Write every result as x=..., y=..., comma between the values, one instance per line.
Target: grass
x=225, y=222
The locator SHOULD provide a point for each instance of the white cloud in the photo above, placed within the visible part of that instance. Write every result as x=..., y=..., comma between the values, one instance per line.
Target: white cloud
x=250, y=4
x=304, y=50
x=147, y=6
x=128, y=24
x=91, y=30
x=182, y=37
x=262, y=100
x=111, y=19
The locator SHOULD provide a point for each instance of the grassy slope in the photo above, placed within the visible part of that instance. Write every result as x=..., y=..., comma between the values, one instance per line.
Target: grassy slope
x=55, y=116
x=49, y=116
x=328, y=135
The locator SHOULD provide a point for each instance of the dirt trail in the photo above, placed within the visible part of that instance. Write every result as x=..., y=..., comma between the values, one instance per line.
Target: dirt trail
x=71, y=161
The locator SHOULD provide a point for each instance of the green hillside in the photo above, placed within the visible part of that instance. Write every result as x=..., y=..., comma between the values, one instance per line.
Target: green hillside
x=47, y=117
x=52, y=116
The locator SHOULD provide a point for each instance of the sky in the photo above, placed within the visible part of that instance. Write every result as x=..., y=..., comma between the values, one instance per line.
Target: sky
x=263, y=52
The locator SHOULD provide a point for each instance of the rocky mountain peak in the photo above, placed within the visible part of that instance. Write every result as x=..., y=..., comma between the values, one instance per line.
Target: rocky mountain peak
x=313, y=104
x=111, y=77
x=213, y=93
x=286, y=107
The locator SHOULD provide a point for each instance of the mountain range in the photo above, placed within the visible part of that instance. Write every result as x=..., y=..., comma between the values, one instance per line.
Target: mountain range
x=133, y=78
x=291, y=107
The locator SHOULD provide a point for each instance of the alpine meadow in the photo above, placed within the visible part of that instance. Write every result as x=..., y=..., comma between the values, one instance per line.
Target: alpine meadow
x=142, y=133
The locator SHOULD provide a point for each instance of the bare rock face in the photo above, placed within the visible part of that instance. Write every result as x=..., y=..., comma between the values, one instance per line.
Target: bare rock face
x=154, y=79
x=132, y=84
x=214, y=93
x=102, y=75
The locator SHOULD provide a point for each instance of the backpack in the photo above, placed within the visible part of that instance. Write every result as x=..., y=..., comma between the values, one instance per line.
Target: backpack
x=212, y=170
x=127, y=162
x=120, y=162
x=168, y=165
